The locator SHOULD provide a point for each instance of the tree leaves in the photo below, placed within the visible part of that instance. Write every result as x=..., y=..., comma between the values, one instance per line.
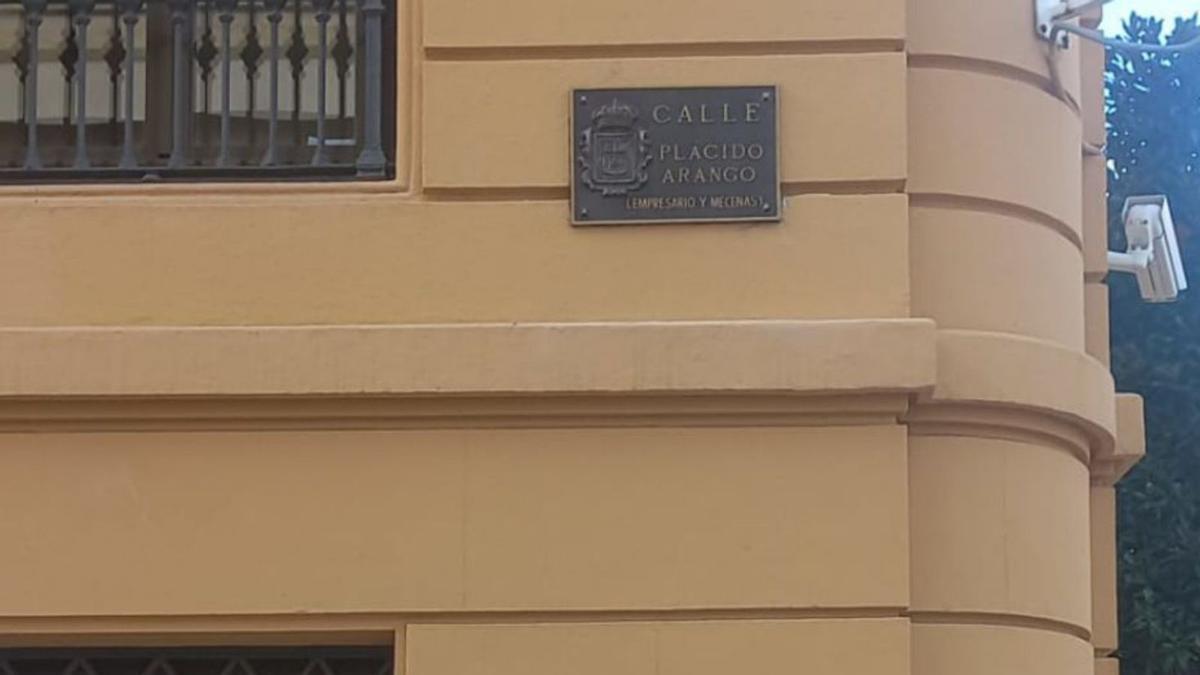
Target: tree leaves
x=1153, y=103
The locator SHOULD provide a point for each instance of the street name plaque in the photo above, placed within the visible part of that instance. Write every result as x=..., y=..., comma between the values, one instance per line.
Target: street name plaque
x=695, y=154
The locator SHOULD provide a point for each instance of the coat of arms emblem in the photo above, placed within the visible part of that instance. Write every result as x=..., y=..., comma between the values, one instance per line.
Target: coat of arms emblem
x=614, y=151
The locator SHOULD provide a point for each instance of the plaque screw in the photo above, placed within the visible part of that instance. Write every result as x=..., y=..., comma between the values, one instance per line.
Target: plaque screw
x=766, y=95
x=583, y=100
x=583, y=213
x=766, y=208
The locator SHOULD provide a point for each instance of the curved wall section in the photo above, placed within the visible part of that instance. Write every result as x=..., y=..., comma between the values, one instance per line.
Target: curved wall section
x=994, y=37
x=1004, y=371
x=999, y=527
x=1005, y=142
x=997, y=650
x=999, y=473
x=1030, y=274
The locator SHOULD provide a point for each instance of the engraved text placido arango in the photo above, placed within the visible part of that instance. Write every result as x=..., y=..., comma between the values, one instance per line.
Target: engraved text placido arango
x=679, y=155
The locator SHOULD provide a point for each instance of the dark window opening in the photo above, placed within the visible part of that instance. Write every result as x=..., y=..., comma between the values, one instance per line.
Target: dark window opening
x=198, y=661
x=149, y=90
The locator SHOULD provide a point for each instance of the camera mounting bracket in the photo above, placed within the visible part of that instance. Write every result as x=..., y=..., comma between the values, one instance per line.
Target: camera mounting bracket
x=1049, y=12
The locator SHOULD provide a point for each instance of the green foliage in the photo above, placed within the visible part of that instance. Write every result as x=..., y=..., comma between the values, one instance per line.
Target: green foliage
x=1154, y=147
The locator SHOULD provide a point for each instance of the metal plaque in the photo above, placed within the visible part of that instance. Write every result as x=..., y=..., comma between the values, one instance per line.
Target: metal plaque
x=697, y=154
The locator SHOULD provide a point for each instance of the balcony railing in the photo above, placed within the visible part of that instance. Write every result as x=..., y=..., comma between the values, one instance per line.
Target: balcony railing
x=197, y=89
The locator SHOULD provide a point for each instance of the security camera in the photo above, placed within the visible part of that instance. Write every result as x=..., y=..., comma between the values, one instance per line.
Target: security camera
x=1053, y=20
x=1152, y=251
x=1049, y=13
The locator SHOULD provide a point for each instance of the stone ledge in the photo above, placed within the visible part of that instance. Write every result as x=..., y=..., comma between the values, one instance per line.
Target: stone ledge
x=1108, y=468
x=694, y=358
x=1009, y=371
x=736, y=373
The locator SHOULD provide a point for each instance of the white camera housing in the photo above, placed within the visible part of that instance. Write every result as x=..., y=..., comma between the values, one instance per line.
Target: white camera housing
x=1152, y=250
x=1048, y=12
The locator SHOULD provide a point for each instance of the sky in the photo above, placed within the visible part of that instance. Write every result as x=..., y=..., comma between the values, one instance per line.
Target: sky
x=1116, y=11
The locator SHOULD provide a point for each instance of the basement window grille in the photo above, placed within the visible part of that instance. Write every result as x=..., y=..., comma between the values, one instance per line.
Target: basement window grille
x=198, y=661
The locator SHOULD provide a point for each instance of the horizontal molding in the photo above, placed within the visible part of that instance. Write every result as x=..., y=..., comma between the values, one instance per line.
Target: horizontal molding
x=989, y=421
x=1006, y=371
x=953, y=202
x=464, y=359
x=360, y=628
x=992, y=68
x=752, y=373
x=554, y=194
x=560, y=373
x=379, y=628
x=104, y=193
x=79, y=415
x=72, y=633
x=498, y=194
x=845, y=187
x=1111, y=465
x=1042, y=174
x=1000, y=620
x=700, y=374
x=667, y=50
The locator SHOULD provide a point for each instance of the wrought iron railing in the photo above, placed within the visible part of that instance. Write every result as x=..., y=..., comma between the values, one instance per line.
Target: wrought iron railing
x=196, y=89
x=198, y=661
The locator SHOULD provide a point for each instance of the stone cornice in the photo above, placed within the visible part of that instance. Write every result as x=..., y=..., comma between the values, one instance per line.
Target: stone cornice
x=742, y=372
x=1110, y=467
x=449, y=412
x=974, y=420
x=1012, y=372
x=737, y=373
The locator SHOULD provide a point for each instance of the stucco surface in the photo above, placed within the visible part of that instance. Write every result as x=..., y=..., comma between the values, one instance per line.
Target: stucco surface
x=877, y=437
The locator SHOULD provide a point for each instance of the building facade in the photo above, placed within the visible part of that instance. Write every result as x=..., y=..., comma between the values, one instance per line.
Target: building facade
x=429, y=415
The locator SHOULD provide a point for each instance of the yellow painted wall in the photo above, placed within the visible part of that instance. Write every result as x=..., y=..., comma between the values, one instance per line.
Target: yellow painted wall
x=878, y=436
x=550, y=519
